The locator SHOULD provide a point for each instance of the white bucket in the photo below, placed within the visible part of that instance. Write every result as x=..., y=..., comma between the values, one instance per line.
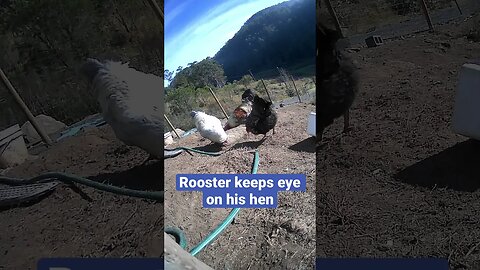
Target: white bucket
x=466, y=115
x=311, y=127
x=13, y=150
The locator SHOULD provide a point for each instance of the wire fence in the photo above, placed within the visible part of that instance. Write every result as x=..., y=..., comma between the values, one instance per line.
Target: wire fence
x=392, y=18
x=44, y=45
x=284, y=86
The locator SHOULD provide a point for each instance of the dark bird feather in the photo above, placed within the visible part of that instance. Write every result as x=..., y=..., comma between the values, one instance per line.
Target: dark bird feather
x=263, y=117
x=337, y=82
x=249, y=94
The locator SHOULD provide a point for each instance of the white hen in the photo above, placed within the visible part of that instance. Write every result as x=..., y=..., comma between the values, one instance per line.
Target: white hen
x=209, y=127
x=131, y=103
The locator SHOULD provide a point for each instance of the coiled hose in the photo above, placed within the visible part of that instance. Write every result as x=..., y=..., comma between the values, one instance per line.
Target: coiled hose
x=180, y=236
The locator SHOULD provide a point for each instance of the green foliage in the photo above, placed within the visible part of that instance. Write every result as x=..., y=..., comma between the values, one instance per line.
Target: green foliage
x=184, y=100
x=246, y=80
x=206, y=73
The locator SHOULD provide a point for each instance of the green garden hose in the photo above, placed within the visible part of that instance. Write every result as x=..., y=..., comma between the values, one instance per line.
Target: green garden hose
x=179, y=236
x=68, y=178
x=155, y=195
x=220, y=228
x=195, y=151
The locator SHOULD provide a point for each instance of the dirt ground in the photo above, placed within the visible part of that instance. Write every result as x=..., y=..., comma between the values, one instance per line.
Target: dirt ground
x=68, y=223
x=402, y=183
x=93, y=224
x=281, y=238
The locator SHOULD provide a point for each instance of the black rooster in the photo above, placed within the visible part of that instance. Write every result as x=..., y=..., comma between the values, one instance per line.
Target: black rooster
x=337, y=82
x=263, y=117
x=248, y=95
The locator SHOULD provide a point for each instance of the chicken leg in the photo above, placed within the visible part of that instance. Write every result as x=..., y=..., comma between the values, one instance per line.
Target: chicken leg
x=318, y=143
x=346, y=122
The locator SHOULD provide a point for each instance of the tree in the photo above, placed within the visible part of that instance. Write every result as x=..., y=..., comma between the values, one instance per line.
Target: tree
x=168, y=75
x=246, y=80
x=206, y=73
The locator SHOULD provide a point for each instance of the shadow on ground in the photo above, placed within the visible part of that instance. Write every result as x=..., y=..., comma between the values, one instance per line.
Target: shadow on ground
x=307, y=145
x=457, y=167
x=250, y=144
x=146, y=177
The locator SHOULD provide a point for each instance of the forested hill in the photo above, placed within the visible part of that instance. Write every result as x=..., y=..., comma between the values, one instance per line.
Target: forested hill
x=281, y=35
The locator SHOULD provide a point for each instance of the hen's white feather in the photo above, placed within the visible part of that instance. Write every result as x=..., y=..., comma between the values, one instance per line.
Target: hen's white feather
x=210, y=127
x=132, y=104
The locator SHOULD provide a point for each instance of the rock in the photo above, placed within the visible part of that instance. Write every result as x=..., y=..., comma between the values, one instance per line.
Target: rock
x=168, y=140
x=49, y=125
x=169, y=136
x=13, y=150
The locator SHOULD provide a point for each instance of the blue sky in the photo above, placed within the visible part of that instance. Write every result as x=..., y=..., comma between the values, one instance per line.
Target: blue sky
x=195, y=29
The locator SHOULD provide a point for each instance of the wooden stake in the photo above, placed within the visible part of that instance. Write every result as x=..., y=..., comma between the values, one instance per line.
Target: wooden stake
x=427, y=14
x=218, y=102
x=251, y=74
x=283, y=78
x=266, y=90
x=158, y=11
x=296, y=90
x=171, y=126
x=335, y=17
x=458, y=7
x=25, y=109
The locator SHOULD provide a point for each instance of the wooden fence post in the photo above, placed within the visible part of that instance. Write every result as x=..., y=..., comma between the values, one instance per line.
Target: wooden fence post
x=458, y=7
x=171, y=126
x=251, y=74
x=296, y=90
x=218, y=102
x=335, y=17
x=25, y=109
x=266, y=90
x=283, y=78
x=427, y=14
